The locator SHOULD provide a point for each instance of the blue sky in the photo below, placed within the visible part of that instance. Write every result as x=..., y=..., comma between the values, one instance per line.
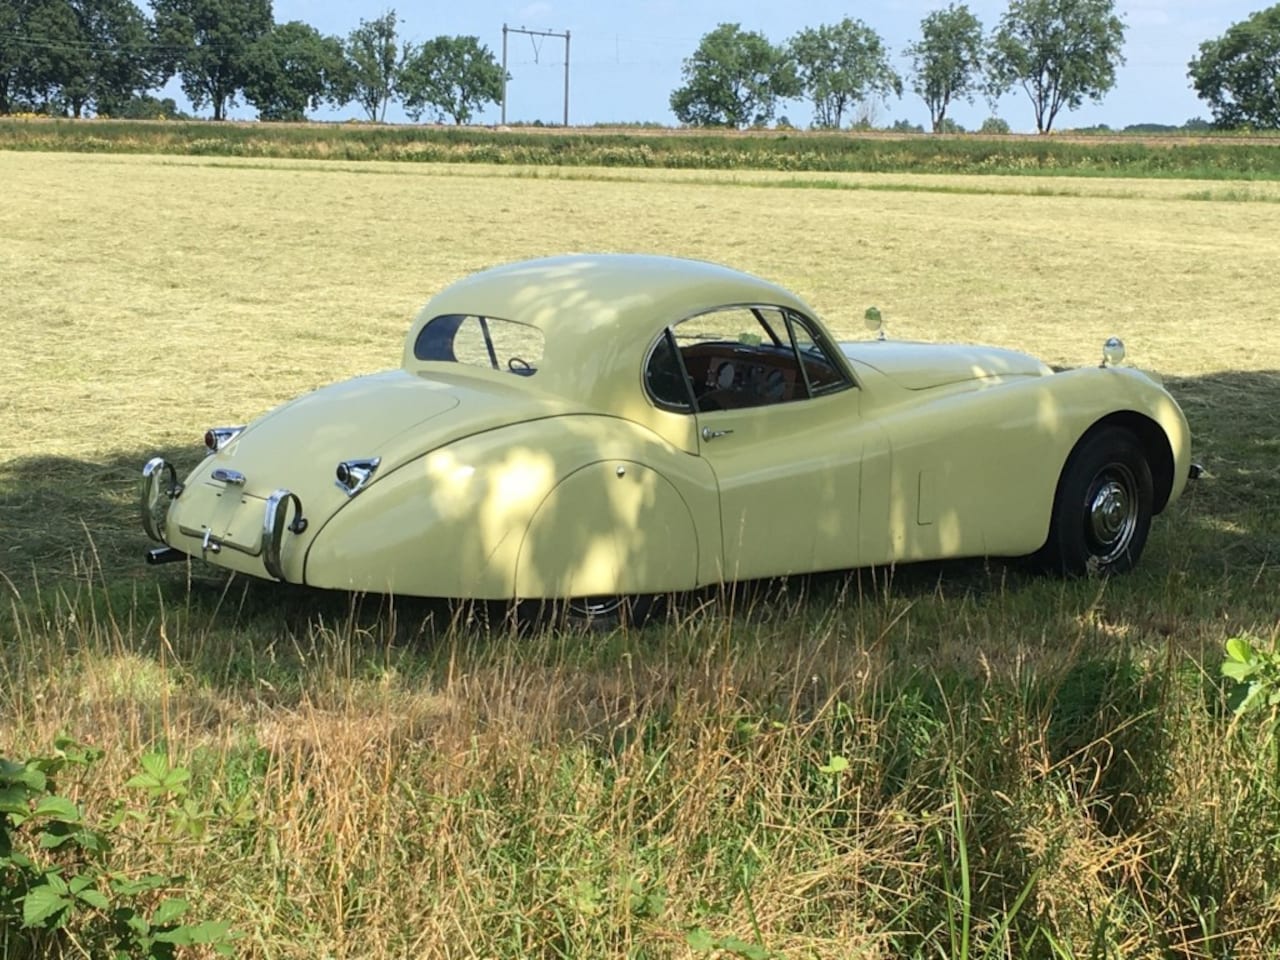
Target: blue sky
x=625, y=55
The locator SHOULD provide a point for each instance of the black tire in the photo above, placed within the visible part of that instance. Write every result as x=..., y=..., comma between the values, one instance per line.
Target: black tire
x=1103, y=506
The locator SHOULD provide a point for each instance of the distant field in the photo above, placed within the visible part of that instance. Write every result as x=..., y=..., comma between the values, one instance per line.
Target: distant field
x=1214, y=157
x=646, y=794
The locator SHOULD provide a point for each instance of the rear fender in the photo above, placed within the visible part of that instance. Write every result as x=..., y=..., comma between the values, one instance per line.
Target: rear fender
x=455, y=522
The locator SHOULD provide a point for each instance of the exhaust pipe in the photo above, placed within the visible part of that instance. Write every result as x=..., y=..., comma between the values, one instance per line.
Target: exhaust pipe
x=159, y=555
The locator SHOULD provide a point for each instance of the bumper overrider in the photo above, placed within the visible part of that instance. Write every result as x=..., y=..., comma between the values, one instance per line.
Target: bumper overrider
x=160, y=487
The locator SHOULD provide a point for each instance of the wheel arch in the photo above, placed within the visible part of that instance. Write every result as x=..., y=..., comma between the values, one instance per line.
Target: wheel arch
x=1155, y=445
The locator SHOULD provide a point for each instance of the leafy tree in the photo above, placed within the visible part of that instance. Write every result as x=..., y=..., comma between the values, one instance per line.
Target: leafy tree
x=39, y=52
x=905, y=126
x=1238, y=74
x=11, y=52
x=144, y=106
x=294, y=68
x=375, y=62
x=733, y=79
x=840, y=66
x=995, y=125
x=453, y=75
x=1059, y=51
x=947, y=60
x=207, y=43
x=112, y=60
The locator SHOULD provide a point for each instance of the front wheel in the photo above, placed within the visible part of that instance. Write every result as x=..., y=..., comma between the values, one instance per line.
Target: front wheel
x=1103, y=507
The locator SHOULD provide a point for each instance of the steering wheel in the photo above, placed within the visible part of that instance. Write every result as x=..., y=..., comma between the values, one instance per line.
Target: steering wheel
x=520, y=366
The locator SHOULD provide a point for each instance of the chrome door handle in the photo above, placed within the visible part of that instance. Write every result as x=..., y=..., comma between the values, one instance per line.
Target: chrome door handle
x=709, y=434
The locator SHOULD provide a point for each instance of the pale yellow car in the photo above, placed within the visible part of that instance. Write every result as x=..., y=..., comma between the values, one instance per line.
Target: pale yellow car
x=595, y=429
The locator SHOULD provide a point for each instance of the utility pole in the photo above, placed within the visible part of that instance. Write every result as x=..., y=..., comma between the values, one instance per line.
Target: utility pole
x=535, y=33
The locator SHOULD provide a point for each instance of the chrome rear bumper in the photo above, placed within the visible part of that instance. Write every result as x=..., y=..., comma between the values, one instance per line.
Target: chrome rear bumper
x=275, y=521
x=160, y=487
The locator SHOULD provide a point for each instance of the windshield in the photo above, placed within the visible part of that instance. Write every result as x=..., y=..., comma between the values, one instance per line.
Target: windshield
x=481, y=341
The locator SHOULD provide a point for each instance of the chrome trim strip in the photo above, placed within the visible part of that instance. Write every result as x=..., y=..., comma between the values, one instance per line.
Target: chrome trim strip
x=211, y=544
x=274, y=524
x=152, y=507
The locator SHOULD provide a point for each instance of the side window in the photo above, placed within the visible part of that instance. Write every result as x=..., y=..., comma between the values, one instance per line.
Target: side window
x=824, y=375
x=664, y=376
x=735, y=357
x=482, y=342
x=739, y=357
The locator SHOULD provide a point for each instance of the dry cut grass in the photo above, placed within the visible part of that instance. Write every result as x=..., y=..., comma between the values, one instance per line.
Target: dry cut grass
x=809, y=776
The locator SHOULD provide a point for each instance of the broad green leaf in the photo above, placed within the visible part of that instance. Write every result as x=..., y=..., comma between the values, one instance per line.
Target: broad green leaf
x=210, y=931
x=169, y=910
x=698, y=939
x=52, y=841
x=1240, y=650
x=743, y=948
x=10, y=769
x=57, y=884
x=1237, y=671
x=94, y=841
x=95, y=898
x=32, y=777
x=837, y=764
x=156, y=764
x=41, y=905
x=127, y=887
x=1243, y=697
x=14, y=799
x=57, y=808
x=143, y=781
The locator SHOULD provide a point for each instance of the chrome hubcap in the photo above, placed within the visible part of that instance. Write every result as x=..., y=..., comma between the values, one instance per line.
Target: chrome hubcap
x=591, y=608
x=1113, y=512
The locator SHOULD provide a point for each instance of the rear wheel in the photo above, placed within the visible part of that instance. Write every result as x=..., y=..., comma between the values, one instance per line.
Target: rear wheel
x=1103, y=507
x=609, y=612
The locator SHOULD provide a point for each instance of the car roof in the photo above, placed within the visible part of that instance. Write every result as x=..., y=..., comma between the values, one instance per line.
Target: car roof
x=599, y=315
x=582, y=294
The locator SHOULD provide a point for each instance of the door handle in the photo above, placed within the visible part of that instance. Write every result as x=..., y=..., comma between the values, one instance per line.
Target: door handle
x=709, y=434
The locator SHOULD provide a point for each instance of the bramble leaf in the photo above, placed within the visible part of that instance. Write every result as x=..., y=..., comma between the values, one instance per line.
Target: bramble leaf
x=698, y=939
x=42, y=905
x=57, y=808
x=169, y=910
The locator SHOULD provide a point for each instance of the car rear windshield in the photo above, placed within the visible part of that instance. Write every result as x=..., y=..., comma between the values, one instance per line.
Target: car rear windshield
x=482, y=342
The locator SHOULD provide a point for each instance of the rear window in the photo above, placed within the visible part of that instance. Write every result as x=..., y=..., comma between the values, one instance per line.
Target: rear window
x=482, y=342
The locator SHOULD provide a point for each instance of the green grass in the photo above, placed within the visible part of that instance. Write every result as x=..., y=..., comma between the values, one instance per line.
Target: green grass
x=916, y=763
x=1209, y=157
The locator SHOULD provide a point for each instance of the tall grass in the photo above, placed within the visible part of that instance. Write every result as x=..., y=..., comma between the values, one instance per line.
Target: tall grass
x=792, y=777
x=1215, y=158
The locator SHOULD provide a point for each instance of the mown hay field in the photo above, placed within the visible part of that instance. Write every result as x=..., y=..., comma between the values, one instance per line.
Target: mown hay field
x=369, y=786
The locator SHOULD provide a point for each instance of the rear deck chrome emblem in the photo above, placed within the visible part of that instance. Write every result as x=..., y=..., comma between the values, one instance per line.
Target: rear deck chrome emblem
x=232, y=477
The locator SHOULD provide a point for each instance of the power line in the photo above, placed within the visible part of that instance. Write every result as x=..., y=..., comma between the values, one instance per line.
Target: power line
x=532, y=34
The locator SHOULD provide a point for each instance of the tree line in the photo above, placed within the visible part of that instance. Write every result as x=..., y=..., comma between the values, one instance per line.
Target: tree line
x=74, y=57
x=1058, y=52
